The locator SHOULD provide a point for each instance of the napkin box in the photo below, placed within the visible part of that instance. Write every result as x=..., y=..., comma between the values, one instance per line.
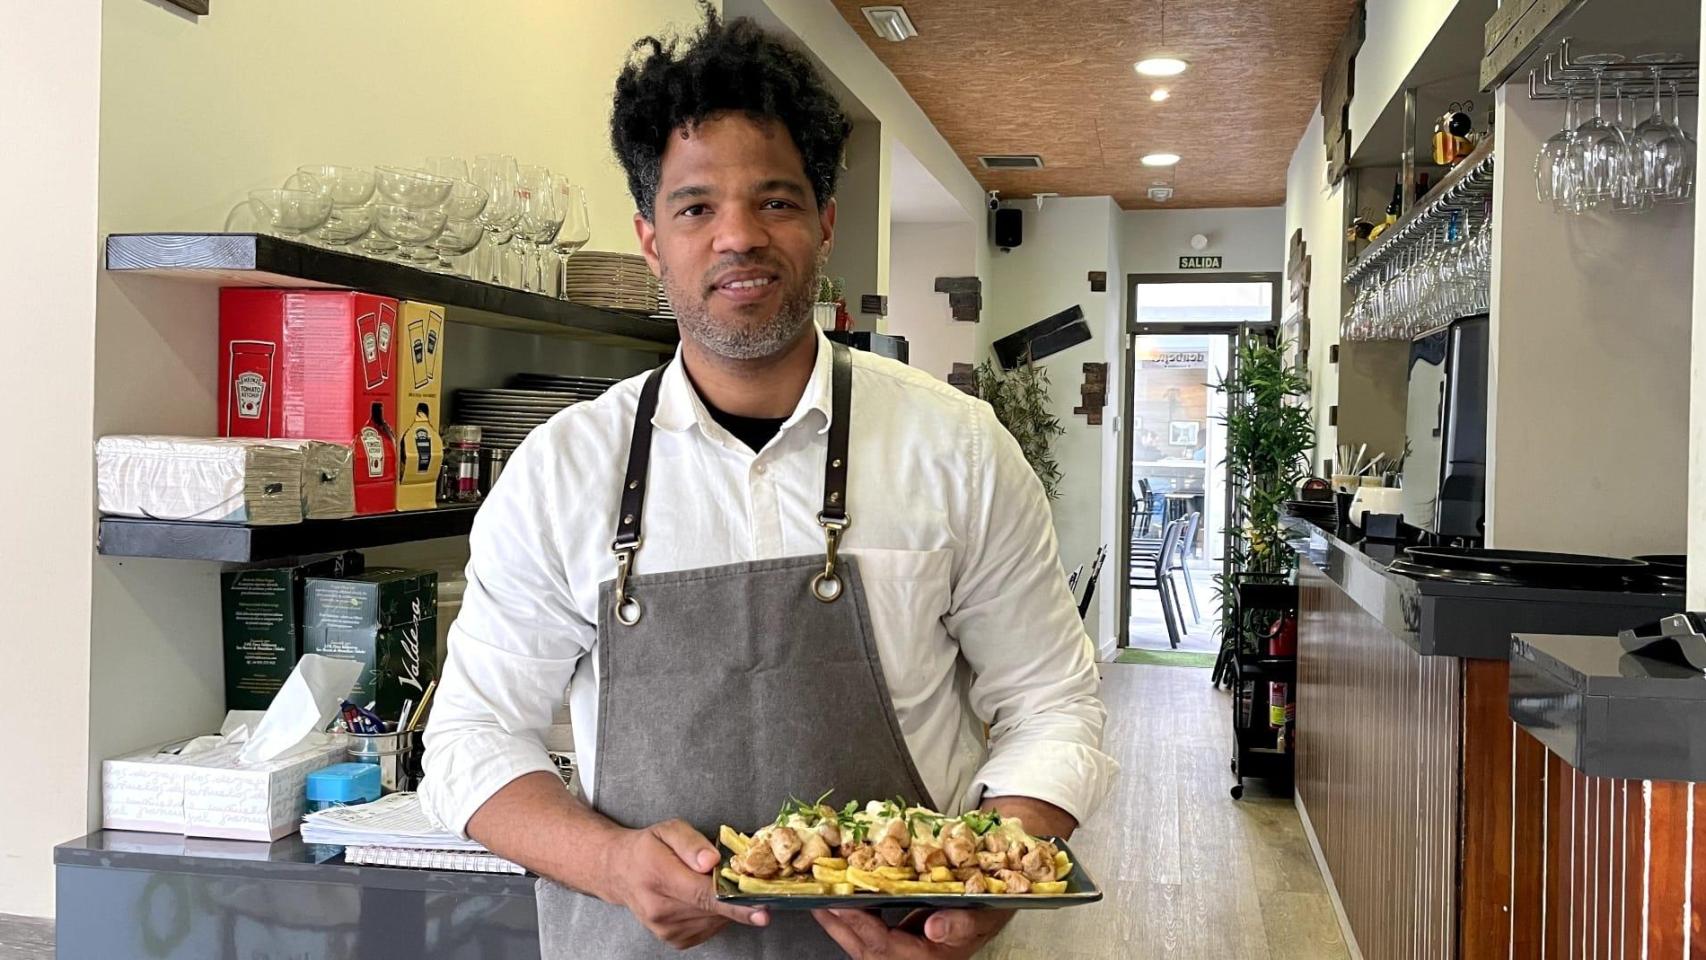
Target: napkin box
x=208, y=794
x=314, y=365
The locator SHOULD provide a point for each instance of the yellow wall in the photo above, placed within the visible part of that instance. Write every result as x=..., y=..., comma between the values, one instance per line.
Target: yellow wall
x=196, y=112
x=191, y=113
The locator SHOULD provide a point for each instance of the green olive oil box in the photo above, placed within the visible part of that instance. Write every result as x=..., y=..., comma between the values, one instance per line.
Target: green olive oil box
x=261, y=613
x=386, y=618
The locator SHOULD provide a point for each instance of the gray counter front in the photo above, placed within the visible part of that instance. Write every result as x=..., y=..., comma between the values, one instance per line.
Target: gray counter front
x=125, y=894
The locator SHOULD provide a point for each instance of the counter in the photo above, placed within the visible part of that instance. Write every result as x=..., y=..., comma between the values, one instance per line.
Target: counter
x=162, y=896
x=1607, y=822
x=1406, y=757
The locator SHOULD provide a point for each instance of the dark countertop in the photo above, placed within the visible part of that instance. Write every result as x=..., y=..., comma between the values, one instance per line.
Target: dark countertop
x=285, y=859
x=1443, y=619
x=1608, y=713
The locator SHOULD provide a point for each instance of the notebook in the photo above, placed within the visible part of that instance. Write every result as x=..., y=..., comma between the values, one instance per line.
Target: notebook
x=394, y=831
x=472, y=861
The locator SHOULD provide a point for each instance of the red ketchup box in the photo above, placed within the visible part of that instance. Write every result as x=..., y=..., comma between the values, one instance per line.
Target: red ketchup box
x=314, y=365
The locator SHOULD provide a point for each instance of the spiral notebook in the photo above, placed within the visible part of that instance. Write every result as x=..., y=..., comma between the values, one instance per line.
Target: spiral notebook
x=394, y=831
x=473, y=861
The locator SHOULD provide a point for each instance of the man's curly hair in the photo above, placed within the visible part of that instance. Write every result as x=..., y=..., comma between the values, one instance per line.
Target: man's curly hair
x=668, y=87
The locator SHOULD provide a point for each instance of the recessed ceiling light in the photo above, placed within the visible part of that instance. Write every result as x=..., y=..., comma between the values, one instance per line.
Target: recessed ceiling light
x=1161, y=67
x=1160, y=94
x=890, y=22
x=1160, y=159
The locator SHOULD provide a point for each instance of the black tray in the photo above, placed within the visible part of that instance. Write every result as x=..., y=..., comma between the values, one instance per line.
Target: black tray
x=1080, y=889
x=1532, y=566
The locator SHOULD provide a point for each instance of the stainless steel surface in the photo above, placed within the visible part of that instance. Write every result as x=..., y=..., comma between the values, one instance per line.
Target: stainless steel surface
x=1466, y=189
x=1558, y=71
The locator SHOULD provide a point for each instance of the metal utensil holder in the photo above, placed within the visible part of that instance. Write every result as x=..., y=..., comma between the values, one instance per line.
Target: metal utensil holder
x=1558, y=72
x=397, y=753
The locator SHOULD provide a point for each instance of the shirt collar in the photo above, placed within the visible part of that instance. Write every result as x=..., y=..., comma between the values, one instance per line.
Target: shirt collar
x=679, y=405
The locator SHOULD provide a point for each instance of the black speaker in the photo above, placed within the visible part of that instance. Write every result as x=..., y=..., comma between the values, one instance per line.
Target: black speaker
x=1007, y=228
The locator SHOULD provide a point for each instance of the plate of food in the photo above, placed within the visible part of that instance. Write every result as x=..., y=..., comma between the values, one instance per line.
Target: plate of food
x=888, y=853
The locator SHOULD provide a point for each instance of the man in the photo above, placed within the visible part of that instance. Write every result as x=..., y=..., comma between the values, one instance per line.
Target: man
x=773, y=568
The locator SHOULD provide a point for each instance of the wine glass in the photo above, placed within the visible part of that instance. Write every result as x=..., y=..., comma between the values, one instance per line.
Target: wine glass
x=1599, y=153
x=499, y=175
x=538, y=224
x=1687, y=155
x=573, y=234
x=1551, y=163
x=450, y=168
x=1629, y=197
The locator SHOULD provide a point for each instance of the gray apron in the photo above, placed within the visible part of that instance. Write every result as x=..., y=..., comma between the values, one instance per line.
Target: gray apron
x=725, y=691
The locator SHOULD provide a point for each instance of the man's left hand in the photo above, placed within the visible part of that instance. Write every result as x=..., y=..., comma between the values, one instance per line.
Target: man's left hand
x=948, y=934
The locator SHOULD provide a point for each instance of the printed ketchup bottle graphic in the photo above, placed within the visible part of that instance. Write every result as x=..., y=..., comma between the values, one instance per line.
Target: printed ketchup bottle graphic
x=376, y=447
x=422, y=433
x=386, y=334
x=372, y=362
x=249, y=405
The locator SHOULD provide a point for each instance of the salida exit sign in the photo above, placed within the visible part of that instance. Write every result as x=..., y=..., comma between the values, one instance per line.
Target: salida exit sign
x=1199, y=263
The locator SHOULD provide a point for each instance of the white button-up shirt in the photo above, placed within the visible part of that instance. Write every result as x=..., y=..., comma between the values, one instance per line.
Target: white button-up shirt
x=969, y=609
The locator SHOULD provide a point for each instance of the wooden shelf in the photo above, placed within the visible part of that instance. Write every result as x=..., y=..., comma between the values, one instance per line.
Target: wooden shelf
x=258, y=260
x=241, y=543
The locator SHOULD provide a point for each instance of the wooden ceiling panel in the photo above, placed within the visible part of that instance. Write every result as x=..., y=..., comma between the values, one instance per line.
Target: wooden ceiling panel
x=1055, y=78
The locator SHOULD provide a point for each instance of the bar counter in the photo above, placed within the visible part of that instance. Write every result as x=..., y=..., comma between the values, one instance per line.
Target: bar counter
x=162, y=896
x=1405, y=749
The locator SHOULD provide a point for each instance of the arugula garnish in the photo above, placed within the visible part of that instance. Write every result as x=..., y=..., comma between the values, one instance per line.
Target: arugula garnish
x=809, y=812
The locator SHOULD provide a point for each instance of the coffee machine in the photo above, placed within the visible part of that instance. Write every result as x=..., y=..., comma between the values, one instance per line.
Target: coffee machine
x=1445, y=432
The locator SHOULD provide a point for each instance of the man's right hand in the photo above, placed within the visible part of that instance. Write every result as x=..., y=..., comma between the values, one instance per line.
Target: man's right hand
x=662, y=874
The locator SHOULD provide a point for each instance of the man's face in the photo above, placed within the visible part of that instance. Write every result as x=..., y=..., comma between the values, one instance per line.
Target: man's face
x=737, y=237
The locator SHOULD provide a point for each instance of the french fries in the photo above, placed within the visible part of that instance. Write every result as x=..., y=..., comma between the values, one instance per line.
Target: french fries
x=868, y=829
x=734, y=839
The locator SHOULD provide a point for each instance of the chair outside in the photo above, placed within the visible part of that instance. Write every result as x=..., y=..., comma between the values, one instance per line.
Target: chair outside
x=1151, y=572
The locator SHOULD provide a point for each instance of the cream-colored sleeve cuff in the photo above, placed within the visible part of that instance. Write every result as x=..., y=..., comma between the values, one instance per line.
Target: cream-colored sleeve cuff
x=1074, y=777
x=464, y=772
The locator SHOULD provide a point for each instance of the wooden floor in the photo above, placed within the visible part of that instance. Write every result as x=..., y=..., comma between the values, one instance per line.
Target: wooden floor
x=25, y=938
x=1188, y=872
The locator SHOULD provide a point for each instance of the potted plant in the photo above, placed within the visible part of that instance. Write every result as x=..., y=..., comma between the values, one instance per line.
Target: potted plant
x=828, y=308
x=1021, y=402
x=1269, y=433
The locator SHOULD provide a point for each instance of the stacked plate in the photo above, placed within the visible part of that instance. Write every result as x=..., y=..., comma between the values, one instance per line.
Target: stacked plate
x=666, y=312
x=615, y=281
x=506, y=416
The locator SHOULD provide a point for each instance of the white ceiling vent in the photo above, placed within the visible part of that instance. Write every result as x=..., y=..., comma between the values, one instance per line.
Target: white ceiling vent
x=1012, y=161
x=890, y=22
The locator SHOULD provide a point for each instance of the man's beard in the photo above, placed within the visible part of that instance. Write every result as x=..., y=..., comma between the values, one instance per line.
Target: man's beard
x=765, y=338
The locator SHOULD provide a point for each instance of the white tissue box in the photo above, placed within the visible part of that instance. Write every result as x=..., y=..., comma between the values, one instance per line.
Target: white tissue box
x=208, y=794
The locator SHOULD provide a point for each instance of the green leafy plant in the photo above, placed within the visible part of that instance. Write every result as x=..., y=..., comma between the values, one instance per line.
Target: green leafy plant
x=1021, y=402
x=1269, y=433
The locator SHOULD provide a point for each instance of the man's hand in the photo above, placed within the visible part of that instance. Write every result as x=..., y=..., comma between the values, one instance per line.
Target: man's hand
x=948, y=934
x=661, y=874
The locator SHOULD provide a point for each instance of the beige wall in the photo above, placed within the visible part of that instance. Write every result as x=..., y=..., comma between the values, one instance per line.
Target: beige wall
x=1318, y=210
x=1247, y=239
x=1588, y=432
x=861, y=254
x=921, y=252
x=50, y=71
x=1397, y=33
x=1064, y=241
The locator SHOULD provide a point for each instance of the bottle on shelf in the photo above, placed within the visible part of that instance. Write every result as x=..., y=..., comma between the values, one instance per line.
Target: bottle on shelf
x=1393, y=209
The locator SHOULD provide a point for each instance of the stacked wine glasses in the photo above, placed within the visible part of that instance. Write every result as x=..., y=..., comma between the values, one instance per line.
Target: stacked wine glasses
x=1443, y=276
x=494, y=219
x=1623, y=146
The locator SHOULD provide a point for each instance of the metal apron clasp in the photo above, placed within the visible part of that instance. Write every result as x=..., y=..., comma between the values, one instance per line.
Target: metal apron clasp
x=628, y=608
x=826, y=586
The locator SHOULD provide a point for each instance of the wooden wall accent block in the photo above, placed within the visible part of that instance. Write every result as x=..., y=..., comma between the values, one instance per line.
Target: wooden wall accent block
x=1093, y=393
x=875, y=304
x=965, y=296
x=1098, y=281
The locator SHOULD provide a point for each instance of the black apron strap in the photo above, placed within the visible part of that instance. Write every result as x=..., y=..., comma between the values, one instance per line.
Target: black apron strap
x=633, y=513
x=827, y=585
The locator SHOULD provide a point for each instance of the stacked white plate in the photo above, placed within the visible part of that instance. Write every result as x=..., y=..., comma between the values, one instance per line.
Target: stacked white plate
x=615, y=281
x=666, y=312
x=506, y=416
